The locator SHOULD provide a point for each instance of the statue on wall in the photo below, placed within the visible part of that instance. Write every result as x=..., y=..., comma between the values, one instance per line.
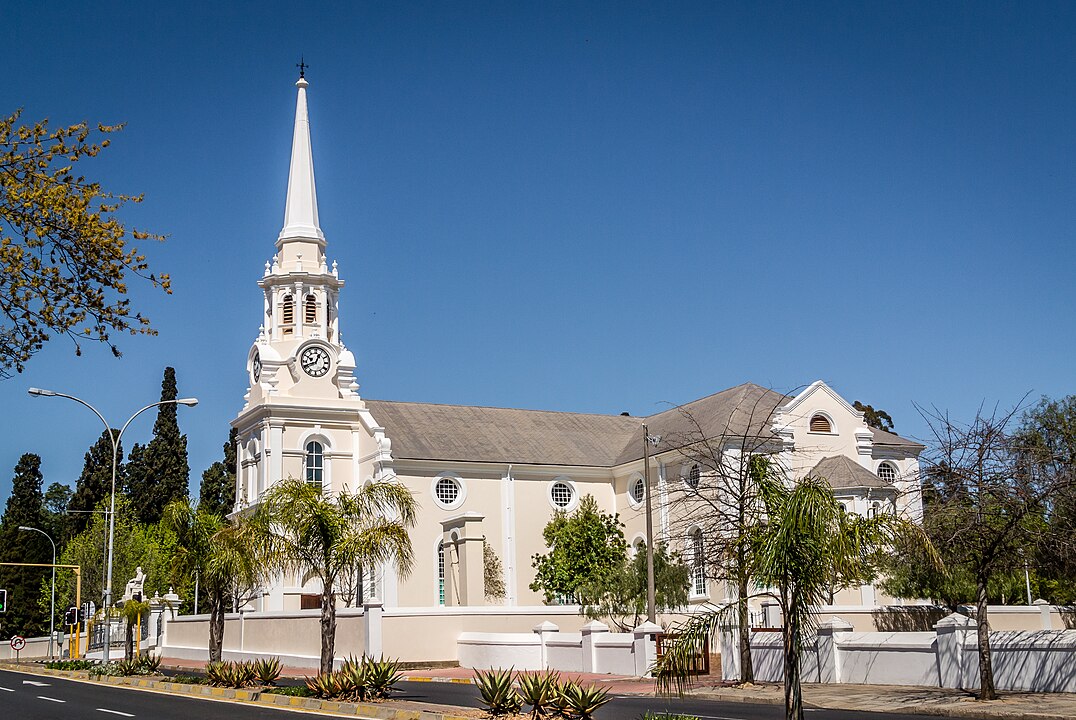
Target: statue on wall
x=133, y=591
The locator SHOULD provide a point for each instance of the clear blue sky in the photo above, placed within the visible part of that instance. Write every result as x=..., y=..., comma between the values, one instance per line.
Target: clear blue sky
x=587, y=206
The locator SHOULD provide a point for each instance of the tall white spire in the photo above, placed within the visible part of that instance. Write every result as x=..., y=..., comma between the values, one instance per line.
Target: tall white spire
x=301, y=210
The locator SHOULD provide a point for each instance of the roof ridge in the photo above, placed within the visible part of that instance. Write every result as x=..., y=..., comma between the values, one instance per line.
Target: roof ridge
x=512, y=409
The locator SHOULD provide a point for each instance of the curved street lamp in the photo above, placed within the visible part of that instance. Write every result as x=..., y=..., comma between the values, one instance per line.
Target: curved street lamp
x=52, y=599
x=189, y=402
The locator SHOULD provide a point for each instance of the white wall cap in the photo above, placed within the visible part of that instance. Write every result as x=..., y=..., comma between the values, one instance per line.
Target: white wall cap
x=546, y=626
x=469, y=516
x=835, y=623
x=594, y=626
x=646, y=628
x=954, y=620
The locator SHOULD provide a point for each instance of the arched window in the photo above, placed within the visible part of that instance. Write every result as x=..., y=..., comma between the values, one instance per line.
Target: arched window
x=693, y=477
x=874, y=509
x=287, y=310
x=315, y=464
x=698, y=563
x=821, y=424
x=887, y=472
x=310, y=315
x=441, y=572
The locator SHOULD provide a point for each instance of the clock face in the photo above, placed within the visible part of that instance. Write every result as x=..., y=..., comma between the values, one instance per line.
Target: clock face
x=315, y=361
x=256, y=367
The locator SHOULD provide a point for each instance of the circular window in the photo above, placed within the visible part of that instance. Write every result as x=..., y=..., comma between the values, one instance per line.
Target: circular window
x=693, y=476
x=448, y=492
x=638, y=490
x=561, y=494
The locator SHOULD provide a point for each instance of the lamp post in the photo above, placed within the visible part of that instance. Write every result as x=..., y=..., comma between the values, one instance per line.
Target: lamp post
x=651, y=610
x=189, y=402
x=52, y=598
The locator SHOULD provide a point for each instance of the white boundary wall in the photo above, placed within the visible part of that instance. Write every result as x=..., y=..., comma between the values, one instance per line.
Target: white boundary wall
x=1036, y=661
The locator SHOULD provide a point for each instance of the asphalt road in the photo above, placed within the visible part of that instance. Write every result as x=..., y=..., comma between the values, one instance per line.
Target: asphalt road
x=39, y=697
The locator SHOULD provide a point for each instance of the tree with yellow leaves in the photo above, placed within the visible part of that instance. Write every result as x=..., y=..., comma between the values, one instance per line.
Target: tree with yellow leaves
x=64, y=255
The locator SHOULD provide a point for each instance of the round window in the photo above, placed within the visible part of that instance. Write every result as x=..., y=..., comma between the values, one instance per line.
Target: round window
x=561, y=494
x=447, y=491
x=638, y=490
x=693, y=476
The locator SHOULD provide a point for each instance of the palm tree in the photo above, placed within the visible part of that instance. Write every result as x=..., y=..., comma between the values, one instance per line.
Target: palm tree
x=221, y=555
x=298, y=529
x=806, y=546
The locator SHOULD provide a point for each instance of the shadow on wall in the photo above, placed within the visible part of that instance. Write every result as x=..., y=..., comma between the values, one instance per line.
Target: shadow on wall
x=917, y=618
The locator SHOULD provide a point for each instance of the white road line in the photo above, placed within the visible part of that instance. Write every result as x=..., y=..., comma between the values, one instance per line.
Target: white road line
x=42, y=697
x=35, y=683
x=6, y=689
x=115, y=712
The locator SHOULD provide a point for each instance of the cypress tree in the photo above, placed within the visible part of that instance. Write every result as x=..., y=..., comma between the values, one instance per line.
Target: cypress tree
x=217, y=494
x=160, y=472
x=94, y=484
x=23, y=584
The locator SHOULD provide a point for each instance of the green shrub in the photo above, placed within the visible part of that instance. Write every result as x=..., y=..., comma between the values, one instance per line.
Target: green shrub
x=325, y=686
x=669, y=716
x=498, y=695
x=215, y=672
x=149, y=664
x=128, y=667
x=292, y=691
x=187, y=680
x=71, y=665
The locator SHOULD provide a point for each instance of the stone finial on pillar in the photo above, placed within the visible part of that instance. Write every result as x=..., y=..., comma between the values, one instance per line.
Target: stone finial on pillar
x=373, y=642
x=645, y=646
x=591, y=630
x=952, y=631
x=544, y=629
x=829, y=658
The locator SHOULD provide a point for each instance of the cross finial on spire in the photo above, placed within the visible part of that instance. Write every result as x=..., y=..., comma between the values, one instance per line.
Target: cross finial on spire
x=302, y=67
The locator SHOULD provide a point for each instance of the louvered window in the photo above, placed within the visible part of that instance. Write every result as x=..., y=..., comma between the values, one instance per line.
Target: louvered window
x=820, y=423
x=311, y=315
x=287, y=312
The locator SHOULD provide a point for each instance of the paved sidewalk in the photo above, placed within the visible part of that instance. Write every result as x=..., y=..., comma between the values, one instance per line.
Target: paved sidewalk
x=864, y=698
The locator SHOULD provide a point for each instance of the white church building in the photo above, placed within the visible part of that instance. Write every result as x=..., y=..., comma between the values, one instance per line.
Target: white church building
x=497, y=475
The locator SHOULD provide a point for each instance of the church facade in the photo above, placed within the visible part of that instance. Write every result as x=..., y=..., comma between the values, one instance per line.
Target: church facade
x=495, y=476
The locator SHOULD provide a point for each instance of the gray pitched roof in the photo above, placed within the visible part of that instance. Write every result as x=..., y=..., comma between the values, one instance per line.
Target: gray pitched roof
x=844, y=473
x=424, y=431
x=502, y=435
x=881, y=437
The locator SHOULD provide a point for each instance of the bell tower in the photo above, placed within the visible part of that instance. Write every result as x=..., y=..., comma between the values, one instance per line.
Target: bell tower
x=299, y=352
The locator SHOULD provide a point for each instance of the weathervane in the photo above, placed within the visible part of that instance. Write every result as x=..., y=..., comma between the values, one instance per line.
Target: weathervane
x=302, y=67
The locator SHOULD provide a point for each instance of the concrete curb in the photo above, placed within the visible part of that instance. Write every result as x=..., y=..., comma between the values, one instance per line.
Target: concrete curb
x=457, y=681
x=363, y=710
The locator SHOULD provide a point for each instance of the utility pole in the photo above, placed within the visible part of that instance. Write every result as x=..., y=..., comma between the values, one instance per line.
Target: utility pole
x=651, y=611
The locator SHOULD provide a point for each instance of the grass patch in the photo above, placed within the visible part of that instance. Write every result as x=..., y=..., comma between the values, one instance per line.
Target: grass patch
x=292, y=691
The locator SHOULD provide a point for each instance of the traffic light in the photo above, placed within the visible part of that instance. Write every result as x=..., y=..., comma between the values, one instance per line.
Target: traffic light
x=71, y=616
x=3, y=600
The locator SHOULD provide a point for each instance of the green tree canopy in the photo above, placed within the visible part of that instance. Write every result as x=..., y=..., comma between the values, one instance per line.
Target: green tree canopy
x=620, y=595
x=875, y=418
x=65, y=257
x=24, y=507
x=217, y=492
x=585, y=547
x=94, y=483
x=158, y=473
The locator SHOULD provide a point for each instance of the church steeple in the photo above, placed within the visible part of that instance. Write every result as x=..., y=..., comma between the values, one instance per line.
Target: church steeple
x=301, y=209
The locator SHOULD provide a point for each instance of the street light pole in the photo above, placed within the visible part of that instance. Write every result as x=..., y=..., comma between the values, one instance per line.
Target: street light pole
x=651, y=610
x=189, y=402
x=52, y=598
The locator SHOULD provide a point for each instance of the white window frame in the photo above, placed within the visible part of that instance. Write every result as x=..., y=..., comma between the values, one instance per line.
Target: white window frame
x=636, y=478
x=461, y=497
x=822, y=413
x=573, y=503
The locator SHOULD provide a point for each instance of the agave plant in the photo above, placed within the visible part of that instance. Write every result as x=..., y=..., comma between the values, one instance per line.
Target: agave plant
x=149, y=664
x=245, y=674
x=497, y=692
x=354, y=679
x=128, y=667
x=540, y=691
x=324, y=685
x=559, y=701
x=267, y=670
x=381, y=675
x=583, y=702
x=214, y=673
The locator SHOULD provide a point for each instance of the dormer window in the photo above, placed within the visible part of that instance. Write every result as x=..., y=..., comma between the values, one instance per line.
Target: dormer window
x=310, y=315
x=821, y=424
